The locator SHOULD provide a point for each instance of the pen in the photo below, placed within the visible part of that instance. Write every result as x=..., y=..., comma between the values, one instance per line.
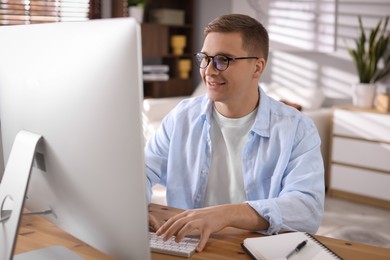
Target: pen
x=297, y=249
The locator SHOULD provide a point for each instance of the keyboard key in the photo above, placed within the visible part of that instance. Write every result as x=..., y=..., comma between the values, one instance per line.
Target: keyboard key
x=185, y=248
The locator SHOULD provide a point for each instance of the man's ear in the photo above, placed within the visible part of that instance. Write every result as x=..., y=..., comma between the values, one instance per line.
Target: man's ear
x=260, y=66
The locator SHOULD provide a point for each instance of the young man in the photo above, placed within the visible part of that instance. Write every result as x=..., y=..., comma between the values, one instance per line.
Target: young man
x=235, y=157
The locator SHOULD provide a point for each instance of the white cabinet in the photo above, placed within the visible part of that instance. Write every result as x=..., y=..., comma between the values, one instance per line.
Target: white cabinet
x=360, y=156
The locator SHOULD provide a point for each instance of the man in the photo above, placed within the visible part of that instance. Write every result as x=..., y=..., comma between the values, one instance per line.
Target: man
x=235, y=157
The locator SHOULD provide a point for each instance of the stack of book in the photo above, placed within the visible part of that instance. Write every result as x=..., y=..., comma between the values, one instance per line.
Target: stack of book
x=156, y=72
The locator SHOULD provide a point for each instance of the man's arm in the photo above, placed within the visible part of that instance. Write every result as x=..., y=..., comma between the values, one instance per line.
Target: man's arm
x=210, y=220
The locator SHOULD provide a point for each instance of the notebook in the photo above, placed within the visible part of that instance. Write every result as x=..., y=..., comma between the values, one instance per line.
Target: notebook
x=279, y=246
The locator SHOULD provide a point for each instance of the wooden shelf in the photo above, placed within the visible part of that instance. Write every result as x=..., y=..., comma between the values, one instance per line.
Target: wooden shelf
x=156, y=47
x=170, y=88
x=157, y=50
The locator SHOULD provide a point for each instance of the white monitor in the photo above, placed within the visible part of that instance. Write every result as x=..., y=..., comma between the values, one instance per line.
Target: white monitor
x=79, y=85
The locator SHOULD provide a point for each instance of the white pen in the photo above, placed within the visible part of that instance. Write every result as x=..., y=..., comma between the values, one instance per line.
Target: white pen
x=297, y=249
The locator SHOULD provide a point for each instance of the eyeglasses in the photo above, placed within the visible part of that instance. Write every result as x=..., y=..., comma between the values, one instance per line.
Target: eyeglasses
x=220, y=62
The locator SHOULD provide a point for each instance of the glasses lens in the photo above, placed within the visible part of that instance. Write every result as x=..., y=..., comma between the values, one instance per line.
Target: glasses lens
x=221, y=62
x=202, y=60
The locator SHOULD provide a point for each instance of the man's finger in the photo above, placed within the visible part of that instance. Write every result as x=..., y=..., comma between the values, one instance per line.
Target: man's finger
x=153, y=223
x=203, y=240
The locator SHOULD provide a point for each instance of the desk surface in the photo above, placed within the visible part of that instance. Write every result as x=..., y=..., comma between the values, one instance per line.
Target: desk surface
x=36, y=232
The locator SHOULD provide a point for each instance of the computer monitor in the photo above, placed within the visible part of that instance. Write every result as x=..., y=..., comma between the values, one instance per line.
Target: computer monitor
x=79, y=86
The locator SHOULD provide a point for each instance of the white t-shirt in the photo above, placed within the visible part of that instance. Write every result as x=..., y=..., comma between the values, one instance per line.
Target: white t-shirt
x=228, y=135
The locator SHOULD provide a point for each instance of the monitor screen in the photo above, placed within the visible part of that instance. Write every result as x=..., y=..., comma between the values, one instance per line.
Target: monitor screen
x=79, y=85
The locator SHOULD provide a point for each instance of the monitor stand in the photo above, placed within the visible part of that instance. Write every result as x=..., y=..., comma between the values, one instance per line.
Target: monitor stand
x=12, y=193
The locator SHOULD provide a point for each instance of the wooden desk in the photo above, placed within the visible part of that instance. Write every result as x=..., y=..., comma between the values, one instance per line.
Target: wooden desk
x=36, y=232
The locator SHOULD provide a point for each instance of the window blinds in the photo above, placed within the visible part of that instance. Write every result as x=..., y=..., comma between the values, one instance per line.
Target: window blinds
x=13, y=12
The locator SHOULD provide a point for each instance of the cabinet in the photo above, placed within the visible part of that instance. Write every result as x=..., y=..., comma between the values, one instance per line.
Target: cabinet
x=162, y=21
x=360, y=156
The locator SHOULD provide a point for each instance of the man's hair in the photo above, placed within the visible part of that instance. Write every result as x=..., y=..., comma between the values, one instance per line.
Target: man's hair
x=254, y=35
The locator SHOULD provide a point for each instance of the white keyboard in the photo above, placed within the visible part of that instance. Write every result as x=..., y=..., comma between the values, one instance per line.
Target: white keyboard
x=185, y=248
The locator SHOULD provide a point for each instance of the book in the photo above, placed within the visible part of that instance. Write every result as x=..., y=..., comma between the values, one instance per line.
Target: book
x=155, y=76
x=279, y=246
x=155, y=68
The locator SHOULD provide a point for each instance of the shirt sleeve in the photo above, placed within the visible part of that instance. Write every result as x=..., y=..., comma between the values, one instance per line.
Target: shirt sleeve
x=298, y=204
x=156, y=157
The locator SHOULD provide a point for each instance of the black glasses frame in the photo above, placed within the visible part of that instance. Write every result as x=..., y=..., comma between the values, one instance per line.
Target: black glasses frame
x=215, y=63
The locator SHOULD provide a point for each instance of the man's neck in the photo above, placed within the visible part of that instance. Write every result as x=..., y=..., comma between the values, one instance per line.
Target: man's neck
x=238, y=109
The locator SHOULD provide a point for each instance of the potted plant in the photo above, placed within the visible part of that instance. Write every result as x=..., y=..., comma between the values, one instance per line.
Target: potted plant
x=371, y=56
x=136, y=9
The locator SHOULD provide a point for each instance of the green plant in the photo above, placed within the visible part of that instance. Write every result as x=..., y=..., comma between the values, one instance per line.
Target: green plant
x=371, y=52
x=140, y=3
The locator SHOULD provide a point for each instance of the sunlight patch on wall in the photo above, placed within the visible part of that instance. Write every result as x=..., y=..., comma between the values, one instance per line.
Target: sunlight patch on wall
x=312, y=71
x=347, y=19
x=309, y=40
x=293, y=71
x=302, y=25
x=336, y=83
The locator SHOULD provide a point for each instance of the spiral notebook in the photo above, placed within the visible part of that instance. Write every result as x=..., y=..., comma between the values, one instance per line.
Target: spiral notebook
x=279, y=246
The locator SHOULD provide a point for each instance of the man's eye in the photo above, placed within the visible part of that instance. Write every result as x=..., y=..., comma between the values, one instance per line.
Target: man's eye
x=222, y=59
x=202, y=59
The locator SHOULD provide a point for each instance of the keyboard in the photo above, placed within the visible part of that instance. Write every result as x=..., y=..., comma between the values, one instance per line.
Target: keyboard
x=185, y=248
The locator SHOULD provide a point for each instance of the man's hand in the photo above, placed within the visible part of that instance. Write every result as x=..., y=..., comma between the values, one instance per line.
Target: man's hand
x=210, y=220
x=153, y=223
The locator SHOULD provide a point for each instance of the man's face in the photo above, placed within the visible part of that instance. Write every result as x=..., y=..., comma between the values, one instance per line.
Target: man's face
x=239, y=81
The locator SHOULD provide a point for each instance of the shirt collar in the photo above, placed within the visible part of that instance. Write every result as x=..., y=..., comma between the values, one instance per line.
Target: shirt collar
x=206, y=109
x=262, y=121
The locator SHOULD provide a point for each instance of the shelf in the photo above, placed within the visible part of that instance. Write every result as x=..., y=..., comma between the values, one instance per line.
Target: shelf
x=170, y=88
x=156, y=49
x=184, y=26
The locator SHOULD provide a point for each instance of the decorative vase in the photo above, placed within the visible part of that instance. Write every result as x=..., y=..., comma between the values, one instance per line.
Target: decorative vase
x=178, y=43
x=184, y=68
x=137, y=13
x=363, y=95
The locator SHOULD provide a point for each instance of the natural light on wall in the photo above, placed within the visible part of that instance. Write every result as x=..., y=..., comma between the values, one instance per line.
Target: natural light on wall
x=309, y=40
x=347, y=19
x=306, y=25
x=292, y=70
x=335, y=82
x=320, y=25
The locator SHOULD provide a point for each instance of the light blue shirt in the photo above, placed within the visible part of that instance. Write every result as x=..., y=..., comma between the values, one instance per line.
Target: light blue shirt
x=283, y=169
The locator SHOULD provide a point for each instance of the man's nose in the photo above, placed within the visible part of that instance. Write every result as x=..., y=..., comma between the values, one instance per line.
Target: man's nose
x=211, y=69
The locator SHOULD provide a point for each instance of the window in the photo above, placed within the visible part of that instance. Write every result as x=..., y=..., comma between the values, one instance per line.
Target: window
x=13, y=12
